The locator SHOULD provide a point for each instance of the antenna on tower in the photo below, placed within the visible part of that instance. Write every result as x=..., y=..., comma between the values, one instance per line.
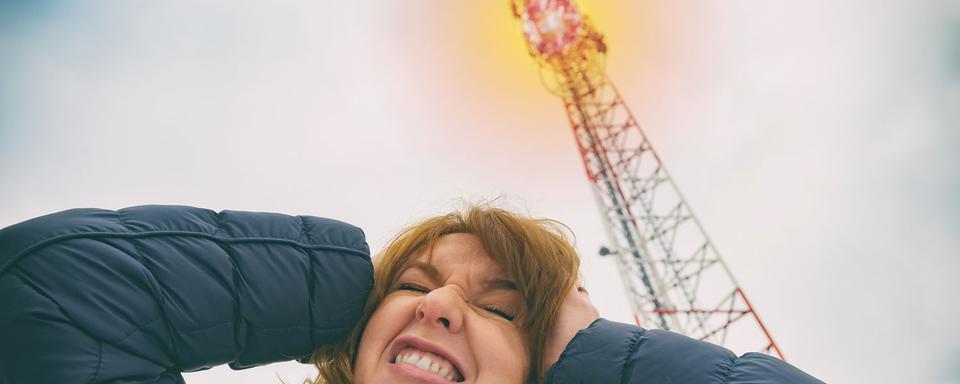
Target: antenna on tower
x=673, y=275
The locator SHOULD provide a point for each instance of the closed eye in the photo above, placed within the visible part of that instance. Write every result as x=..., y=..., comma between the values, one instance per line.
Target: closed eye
x=412, y=287
x=500, y=312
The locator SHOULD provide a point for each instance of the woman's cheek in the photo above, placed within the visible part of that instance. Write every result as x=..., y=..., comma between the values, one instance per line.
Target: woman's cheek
x=393, y=314
x=500, y=350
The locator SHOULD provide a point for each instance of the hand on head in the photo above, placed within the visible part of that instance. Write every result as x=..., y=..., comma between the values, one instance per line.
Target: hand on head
x=576, y=313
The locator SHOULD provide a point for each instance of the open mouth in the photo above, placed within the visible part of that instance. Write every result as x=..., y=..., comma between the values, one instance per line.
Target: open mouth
x=425, y=357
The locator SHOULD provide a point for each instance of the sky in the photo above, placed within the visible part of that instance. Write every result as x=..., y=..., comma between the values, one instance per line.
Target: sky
x=816, y=140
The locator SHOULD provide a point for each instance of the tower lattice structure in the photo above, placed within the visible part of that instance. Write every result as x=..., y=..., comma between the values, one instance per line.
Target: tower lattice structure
x=674, y=277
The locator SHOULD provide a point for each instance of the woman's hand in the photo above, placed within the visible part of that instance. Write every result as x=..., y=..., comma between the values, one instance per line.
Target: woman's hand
x=577, y=312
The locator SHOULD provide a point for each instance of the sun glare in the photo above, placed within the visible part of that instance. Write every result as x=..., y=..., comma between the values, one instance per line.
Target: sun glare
x=550, y=25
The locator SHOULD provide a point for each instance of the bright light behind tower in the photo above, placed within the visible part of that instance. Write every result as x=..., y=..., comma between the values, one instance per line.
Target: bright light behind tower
x=551, y=26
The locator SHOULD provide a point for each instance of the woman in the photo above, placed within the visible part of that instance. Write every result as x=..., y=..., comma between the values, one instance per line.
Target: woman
x=141, y=294
x=469, y=297
x=489, y=296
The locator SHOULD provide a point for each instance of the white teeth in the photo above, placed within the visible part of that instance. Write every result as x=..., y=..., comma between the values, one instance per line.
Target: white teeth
x=425, y=363
x=412, y=359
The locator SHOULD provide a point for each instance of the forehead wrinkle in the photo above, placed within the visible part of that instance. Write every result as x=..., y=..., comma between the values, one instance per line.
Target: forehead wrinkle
x=463, y=254
x=427, y=268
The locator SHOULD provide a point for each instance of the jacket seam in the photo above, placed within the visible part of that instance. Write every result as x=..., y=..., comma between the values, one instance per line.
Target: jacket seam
x=134, y=331
x=28, y=281
x=303, y=230
x=628, y=362
x=728, y=369
x=99, y=362
x=310, y=293
x=157, y=296
x=137, y=256
x=236, y=277
x=218, y=224
x=238, y=240
x=309, y=258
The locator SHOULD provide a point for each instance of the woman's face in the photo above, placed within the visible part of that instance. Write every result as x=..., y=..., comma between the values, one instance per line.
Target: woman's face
x=447, y=320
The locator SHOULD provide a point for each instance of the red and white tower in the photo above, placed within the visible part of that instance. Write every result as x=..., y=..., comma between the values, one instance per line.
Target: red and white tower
x=674, y=277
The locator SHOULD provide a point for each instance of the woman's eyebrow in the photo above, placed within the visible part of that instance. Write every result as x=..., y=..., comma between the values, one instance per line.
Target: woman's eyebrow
x=499, y=283
x=492, y=284
x=427, y=268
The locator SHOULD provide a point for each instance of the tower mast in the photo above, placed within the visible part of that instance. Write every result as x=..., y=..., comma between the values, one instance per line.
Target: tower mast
x=673, y=275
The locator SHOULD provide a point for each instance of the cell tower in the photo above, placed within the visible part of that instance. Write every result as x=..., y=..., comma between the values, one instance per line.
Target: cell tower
x=673, y=275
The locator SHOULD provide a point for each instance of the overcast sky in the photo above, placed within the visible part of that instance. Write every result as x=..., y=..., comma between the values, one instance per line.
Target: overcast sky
x=816, y=140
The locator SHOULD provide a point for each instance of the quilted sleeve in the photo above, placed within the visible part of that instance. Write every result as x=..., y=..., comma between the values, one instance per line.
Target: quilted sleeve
x=609, y=352
x=141, y=294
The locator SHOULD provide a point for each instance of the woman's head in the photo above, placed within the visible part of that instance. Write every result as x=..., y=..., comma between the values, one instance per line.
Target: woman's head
x=476, y=293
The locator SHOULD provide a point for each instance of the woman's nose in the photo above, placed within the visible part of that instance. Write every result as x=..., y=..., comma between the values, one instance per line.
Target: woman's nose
x=442, y=307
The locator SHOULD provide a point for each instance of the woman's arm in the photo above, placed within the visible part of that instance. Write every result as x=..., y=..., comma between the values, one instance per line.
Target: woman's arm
x=601, y=351
x=609, y=352
x=140, y=294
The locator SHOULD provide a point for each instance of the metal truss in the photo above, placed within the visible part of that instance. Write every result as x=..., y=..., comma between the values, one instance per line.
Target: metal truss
x=673, y=275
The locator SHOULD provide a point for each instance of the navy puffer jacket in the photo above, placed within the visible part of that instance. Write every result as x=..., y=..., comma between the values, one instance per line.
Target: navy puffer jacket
x=141, y=294
x=609, y=352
